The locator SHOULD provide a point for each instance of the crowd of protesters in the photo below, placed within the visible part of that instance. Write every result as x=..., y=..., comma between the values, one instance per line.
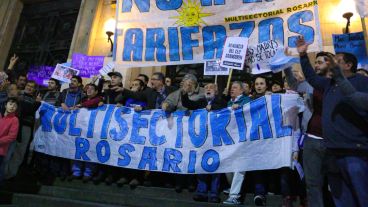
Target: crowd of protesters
x=332, y=143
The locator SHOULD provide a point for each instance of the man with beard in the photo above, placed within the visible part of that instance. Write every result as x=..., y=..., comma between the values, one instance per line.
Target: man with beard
x=314, y=151
x=346, y=143
x=68, y=100
x=211, y=101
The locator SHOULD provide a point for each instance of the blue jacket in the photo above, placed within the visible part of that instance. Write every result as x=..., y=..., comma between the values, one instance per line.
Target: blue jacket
x=340, y=128
x=241, y=101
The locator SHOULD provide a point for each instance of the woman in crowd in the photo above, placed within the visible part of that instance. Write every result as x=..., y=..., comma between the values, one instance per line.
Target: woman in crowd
x=9, y=126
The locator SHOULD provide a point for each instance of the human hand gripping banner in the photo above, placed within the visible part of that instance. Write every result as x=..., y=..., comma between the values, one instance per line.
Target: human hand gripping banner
x=255, y=137
x=162, y=32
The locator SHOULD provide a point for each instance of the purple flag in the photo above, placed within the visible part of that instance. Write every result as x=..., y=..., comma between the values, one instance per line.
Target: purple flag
x=87, y=65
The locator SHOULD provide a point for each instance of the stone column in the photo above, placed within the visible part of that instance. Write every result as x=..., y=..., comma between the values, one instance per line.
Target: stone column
x=10, y=11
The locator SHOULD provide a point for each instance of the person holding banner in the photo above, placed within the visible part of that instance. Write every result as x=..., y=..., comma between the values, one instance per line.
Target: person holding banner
x=68, y=100
x=110, y=174
x=85, y=170
x=212, y=101
x=345, y=141
x=172, y=103
x=237, y=100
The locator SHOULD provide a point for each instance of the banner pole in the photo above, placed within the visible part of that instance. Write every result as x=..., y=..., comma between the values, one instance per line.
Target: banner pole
x=229, y=79
x=216, y=79
x=365, y=33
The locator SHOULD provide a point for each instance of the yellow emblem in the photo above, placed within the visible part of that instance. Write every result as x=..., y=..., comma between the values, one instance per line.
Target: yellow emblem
x=190, y=14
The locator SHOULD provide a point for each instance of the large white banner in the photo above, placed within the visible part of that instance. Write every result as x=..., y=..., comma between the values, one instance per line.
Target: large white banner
x=255, y=137
x=164, y=32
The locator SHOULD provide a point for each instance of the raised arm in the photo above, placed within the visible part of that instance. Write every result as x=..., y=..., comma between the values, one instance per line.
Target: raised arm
x=316, y=81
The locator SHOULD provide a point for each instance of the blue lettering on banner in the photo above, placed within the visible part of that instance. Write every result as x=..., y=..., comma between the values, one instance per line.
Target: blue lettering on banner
x=73, y=131
x=91, y=122
x=294, y=23
x=258, y=112
x=133, y=44
x=213, y=41
x=81, y=148
x=155, y=41
x=143, y=5
x=174, y=44
x=198, y=139
x=265, y=26
x=219, y=121
x=215, y=158
x=103, y=151
x=148, y=158
x=60, y=121
x=246, y=28
x=242, y=126
x=209, y=2
x=192, y=161
x=187, y=42
x=46, y=114
x=172, y=158
x=138, y=123
x=281, y=131
x=154, y=139
x=179, y=130
x=106, y=121
x=123, y=124
x=124, y=151
x=169, y=4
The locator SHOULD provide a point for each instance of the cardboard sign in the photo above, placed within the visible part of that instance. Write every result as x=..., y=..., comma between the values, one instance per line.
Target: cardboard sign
x=212, y=67
x=235, y=50
x=64, y=73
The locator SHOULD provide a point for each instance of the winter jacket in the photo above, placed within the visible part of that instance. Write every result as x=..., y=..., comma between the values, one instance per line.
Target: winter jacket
x=70, y=98
x=341, y=130
x=175, y=102
x=9, y=126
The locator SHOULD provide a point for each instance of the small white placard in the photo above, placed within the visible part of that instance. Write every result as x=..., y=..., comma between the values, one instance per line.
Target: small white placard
x=235, y=50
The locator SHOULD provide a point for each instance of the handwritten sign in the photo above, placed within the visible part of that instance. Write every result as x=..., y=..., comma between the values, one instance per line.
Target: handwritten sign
x=87, y=65
x=235, y=49
x=352, y=43
x=64, y=73
x=259, y=56
x=212, y=67
x=40, y=74
x=107, y=68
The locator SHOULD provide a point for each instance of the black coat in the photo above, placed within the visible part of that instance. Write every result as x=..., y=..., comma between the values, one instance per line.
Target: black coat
x=148, y=95
x=217, y=104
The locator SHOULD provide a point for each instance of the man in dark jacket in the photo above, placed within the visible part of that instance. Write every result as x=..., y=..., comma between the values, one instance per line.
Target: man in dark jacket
x=68, y=100
x=211, y=102
x=153, y=96
x=345, y=142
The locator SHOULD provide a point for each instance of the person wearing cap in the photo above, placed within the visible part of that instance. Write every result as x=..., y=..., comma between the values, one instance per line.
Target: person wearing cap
x=110, y=174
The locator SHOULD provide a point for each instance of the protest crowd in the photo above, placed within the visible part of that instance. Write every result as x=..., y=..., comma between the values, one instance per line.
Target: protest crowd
x=332, y=145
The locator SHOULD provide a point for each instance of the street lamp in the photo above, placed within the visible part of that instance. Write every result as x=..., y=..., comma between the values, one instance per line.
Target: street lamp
x=347, y=16
x=109, y=28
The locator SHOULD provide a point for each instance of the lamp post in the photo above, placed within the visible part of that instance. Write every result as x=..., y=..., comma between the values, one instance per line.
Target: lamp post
x=347, y=16
x=109, y=28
